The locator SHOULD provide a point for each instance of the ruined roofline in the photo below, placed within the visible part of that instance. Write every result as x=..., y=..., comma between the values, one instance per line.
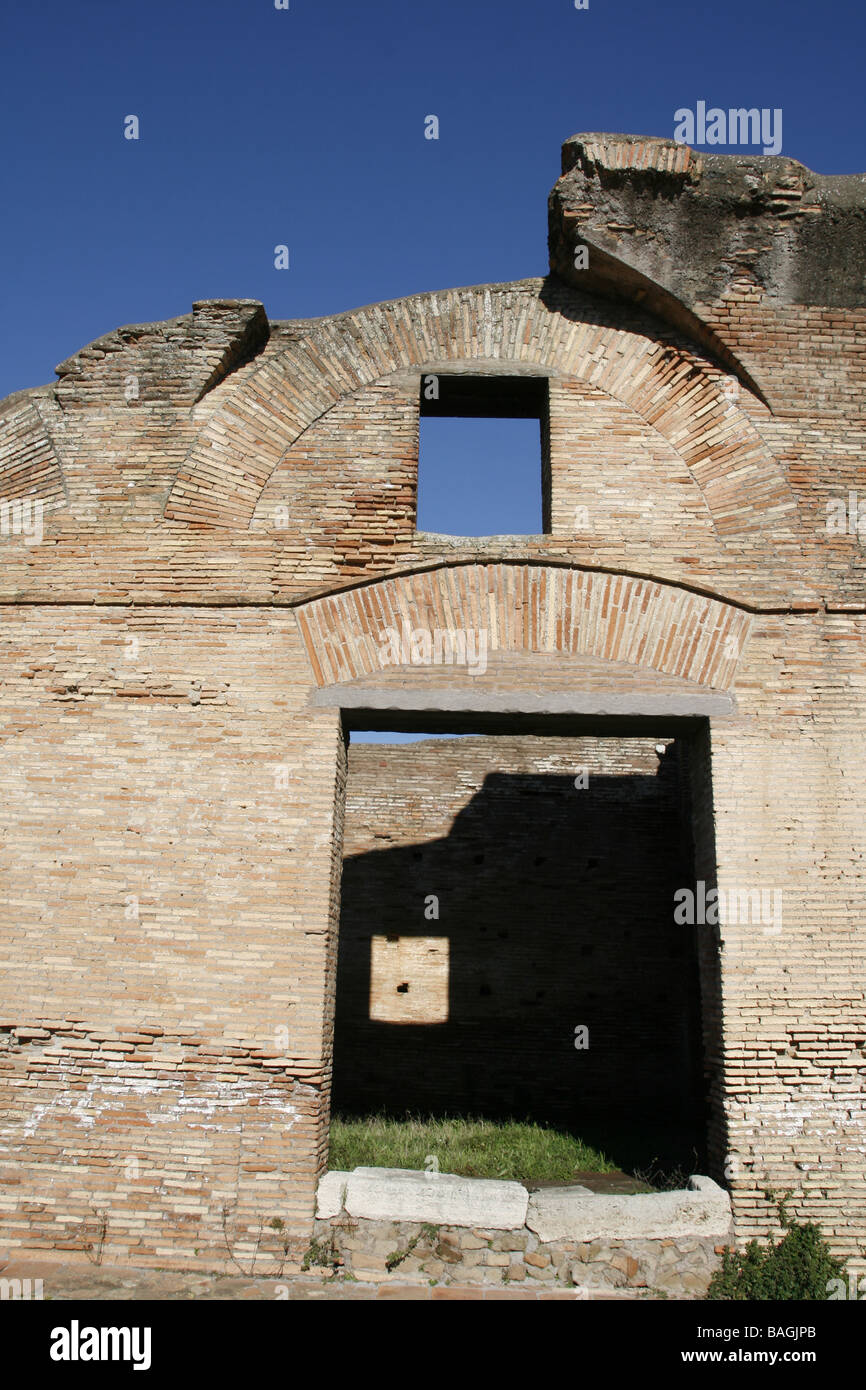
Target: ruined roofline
x=620, y=153
x=178, y=361
x=596, y=154
x=667, y=228
x=678, y=230
x=218, y=336
x=183, y=328
x=26, y=394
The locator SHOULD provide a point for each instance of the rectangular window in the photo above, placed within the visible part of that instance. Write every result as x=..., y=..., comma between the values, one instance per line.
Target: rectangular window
x=482, y=458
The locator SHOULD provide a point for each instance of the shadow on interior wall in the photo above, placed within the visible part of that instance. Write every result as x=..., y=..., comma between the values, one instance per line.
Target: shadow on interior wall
x=555, y=915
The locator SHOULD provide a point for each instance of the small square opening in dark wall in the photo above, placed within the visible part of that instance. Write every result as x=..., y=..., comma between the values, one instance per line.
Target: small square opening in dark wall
x=482, y=464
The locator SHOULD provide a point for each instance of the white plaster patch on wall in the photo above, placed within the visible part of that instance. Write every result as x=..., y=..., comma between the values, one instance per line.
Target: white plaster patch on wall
x=555, y=764
x=821, y=1115
x=96, y=1099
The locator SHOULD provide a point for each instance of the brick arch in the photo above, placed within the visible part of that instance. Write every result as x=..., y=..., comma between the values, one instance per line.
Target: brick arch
x=29, y=463
x=564, y=611
x=241, y=445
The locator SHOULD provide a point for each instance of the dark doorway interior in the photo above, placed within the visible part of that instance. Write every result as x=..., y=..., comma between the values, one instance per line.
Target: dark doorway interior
x=471, y=957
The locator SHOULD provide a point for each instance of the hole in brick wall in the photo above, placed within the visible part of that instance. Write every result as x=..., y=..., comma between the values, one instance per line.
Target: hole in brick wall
x=565, y=938
x=482, y=456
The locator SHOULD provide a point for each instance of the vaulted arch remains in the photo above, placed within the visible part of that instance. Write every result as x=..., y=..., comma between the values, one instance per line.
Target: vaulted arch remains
x=672, y=388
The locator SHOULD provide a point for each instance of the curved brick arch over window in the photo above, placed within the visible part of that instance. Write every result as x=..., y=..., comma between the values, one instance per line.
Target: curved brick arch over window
x=540, y=609
x=241, y=445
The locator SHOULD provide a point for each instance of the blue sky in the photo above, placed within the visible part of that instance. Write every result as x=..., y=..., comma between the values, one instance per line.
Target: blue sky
x=305, y=127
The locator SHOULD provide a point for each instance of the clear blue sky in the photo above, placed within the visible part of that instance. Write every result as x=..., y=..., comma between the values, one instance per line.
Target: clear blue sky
x=305, y=127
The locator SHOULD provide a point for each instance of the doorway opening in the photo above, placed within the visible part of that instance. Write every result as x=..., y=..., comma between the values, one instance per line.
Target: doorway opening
x=507, y=946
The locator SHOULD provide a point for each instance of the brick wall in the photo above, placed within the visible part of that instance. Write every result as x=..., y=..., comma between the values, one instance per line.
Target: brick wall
x=227, y=522
x=166, y=928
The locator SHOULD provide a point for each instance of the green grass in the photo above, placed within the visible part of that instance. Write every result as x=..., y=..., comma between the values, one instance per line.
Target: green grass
x=473, y=1148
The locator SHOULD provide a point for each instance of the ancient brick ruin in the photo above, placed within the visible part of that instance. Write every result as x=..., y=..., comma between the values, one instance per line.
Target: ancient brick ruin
x=207, y=525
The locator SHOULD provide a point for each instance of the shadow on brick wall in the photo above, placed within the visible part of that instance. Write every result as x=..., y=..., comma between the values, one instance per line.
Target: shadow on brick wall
x=555, y=914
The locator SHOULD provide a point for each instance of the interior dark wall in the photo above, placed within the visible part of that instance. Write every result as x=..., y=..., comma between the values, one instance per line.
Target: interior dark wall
x=557, y=906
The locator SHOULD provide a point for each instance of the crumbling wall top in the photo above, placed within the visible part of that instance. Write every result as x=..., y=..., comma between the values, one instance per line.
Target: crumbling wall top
x=668, y=226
